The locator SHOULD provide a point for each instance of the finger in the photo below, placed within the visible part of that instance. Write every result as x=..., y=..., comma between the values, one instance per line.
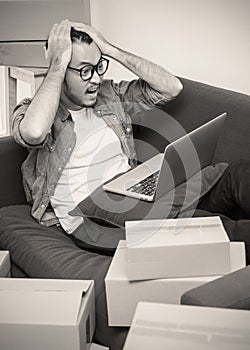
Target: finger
x=81, y=26
x=54, y=28
x=61, y=30
x=52, y=32
x=62, y=25
x=66, y=28
x=64, y=21
x=87, y=30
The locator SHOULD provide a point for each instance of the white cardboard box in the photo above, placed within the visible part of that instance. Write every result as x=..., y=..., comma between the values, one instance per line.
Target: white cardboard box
x=184, y=247
x=123, y=295
x=98, y=347
x=43, y=314
x=182, y=327
x=4, y=263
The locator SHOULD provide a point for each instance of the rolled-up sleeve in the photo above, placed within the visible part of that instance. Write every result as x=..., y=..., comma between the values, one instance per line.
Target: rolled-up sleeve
x=17, y=117
x=140, y=95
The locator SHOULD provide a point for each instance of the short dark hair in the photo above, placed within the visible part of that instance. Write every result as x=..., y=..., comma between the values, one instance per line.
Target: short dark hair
x=77, y=36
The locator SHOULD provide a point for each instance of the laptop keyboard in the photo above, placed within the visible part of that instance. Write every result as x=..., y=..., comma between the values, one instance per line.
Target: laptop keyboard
x=146, y=186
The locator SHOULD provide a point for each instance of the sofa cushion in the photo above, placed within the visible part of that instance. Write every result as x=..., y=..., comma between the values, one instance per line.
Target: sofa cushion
x=117, y=209
x=48, y=252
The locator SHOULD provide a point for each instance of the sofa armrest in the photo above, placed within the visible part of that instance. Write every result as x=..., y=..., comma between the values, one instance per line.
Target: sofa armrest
x=11, y=158
x=197, y=104
x=230, y=291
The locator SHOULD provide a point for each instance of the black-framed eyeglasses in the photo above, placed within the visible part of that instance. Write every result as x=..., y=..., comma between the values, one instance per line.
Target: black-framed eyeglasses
x=87, y=72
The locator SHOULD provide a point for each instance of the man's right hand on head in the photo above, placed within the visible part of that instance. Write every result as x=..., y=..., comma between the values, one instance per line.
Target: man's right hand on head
x=40, y=114
x=59, y=44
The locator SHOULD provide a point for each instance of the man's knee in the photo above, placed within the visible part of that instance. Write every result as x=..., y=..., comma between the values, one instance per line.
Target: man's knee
x=239, y=167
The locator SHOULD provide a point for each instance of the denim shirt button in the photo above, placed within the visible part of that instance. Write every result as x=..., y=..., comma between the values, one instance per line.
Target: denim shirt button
x=43, y=205
x=128, y=129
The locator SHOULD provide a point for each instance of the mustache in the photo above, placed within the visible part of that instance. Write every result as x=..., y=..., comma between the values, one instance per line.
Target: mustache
x=93, y=87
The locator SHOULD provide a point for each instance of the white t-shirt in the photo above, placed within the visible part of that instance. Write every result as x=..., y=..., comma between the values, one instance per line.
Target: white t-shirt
x=96, y=158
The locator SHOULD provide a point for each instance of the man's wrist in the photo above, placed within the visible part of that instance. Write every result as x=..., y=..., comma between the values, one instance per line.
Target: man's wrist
x=112, y=52
x=57, y=67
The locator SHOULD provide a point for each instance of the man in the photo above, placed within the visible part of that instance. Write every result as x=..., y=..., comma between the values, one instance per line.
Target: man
x=70, y=123
x=78, y=125
x=78, y=129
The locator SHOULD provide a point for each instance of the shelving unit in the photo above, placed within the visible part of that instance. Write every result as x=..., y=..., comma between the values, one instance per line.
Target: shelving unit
x=24, y=29
x=17, y=83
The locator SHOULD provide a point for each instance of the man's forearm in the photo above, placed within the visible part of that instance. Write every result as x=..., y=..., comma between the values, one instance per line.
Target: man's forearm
x=41, y=113
x=156, y=76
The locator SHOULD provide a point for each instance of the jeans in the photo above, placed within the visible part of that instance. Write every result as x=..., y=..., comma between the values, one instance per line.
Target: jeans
x=231, y=195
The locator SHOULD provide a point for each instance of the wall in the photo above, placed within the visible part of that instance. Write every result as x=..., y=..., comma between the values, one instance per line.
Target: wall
x=204, y=40
x=3, y=102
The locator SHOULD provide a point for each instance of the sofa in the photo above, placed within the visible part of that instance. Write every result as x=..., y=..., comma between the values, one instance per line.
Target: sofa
x=51, y=253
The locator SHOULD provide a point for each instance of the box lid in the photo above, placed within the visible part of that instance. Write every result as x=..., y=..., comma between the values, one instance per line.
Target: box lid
x=174, y=232
x=25, y=26
x=35, y=301
x=118, y=266
x=94, y=346
x=35, y=18
x=189, y=327
x=198, y=318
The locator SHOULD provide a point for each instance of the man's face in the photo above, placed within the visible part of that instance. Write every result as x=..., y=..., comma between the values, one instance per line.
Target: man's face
x=77, y=93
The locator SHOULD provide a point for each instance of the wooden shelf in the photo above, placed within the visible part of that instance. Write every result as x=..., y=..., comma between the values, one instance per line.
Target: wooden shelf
x=33, y=76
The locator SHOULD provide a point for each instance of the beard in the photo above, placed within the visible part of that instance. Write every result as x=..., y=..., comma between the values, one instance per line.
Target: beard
x=76, y=101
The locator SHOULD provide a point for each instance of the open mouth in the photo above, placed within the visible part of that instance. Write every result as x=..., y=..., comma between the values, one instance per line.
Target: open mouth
x=92, y=89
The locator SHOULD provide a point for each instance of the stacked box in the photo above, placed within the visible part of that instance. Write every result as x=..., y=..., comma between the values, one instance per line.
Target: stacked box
x=185, y=247
x=123, y=295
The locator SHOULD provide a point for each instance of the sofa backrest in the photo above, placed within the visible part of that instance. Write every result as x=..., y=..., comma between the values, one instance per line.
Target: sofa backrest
x=197, y=104
x=12, y=156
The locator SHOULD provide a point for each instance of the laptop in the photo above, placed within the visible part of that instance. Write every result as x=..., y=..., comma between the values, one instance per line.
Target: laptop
x=181, y=159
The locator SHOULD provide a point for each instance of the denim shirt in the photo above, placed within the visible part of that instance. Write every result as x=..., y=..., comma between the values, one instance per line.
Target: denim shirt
x=116, y=103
